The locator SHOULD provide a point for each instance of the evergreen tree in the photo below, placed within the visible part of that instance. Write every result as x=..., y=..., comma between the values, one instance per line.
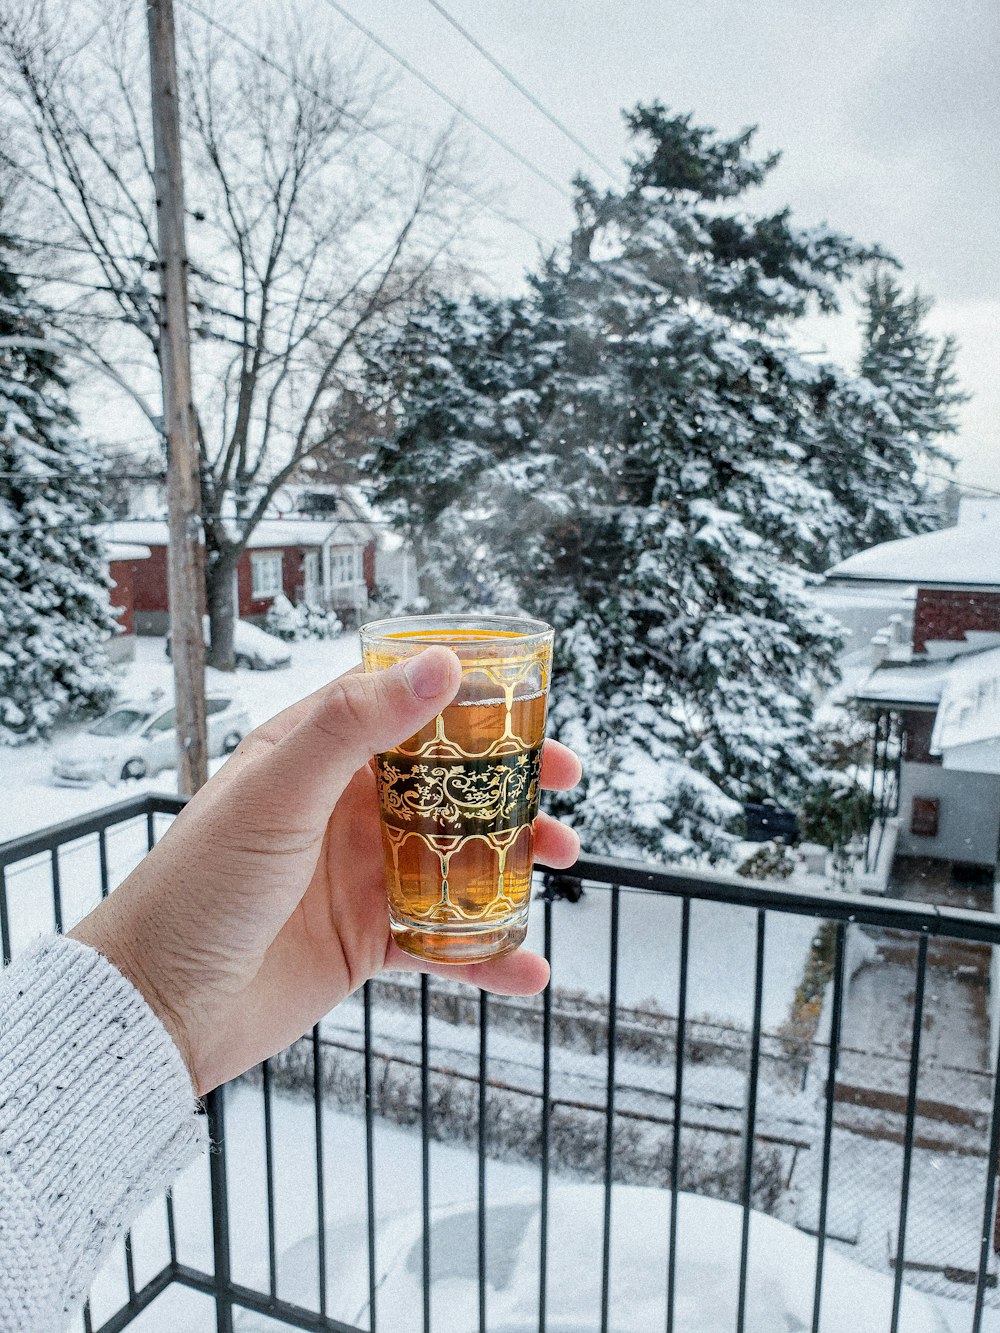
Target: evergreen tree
x=916, y=409
x=54, y=592
x=636, y=452
x=876, y=432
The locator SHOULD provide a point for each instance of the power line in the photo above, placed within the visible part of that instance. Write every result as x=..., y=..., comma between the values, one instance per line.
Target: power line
x=962, y=485
x=525, y=92
x=438, y=91
x=294, y=79
x=363, y=485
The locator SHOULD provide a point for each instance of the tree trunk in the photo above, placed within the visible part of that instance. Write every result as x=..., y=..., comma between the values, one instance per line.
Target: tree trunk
x=219, y=574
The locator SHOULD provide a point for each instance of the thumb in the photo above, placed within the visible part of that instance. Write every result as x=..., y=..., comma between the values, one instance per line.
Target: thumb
x=356, y=716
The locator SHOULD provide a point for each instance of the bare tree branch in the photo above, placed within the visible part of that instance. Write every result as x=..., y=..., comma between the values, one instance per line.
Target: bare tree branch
x=304, y=236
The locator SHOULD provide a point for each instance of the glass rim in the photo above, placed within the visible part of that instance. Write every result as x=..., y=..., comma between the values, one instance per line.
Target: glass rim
x=508, y=629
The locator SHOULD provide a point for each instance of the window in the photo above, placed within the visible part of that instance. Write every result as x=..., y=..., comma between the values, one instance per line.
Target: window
x=311, y=569
x=122, y=722
x=165, y=722
x=265, y=573
x=925, y=813
x=344, y=565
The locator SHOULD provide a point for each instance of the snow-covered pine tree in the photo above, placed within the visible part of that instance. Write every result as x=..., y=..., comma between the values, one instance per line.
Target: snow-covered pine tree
x=634, y=452
x=877, y=432
x=919, y=399
x=54, y=601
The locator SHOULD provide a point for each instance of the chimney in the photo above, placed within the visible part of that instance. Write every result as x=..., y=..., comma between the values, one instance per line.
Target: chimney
x=880, y=646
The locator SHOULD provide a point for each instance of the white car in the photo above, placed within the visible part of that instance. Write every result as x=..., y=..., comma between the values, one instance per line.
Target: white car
x=136, y=740
x=253, y=648
x=779, y=1285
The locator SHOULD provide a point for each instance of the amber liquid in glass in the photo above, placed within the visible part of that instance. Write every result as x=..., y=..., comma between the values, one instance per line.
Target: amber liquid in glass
x=458, y=800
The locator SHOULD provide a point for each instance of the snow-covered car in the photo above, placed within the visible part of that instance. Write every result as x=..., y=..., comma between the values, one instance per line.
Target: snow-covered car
x=136, y=740
x=253, y=648
x=781, y=1271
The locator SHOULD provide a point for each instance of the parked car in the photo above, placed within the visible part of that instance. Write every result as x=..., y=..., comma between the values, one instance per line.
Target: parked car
x=252, y=647
x=136, y=740
x=767, y=821
x=782, y=1264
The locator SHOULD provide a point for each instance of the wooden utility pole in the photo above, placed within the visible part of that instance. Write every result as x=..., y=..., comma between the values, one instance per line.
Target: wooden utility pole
x=186, y=560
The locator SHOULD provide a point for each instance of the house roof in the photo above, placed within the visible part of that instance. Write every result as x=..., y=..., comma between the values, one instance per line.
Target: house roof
x=914, y=683
x=127, y=551
x=964, y=689
x=271, y=532
x=970, y=703
x=965, y=556
x=268, y=534
x=146, y=531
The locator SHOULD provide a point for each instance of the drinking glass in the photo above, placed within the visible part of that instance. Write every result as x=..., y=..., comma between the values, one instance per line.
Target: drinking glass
x=458, y=799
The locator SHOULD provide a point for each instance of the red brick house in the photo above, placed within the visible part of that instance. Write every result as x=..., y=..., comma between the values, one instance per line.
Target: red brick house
x=936, y=689
x=325, y=562
x=125, y=560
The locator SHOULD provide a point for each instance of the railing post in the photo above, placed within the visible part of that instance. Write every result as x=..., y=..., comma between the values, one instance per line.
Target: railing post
x=5, y=954
x=870, y=816
x=214, y=1105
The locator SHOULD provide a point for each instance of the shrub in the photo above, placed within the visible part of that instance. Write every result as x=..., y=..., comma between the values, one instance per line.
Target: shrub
x=772, y=860
x=295, y=623
x=834, y=811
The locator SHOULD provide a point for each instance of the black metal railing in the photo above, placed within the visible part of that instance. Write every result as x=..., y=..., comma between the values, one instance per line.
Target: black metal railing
x=604, y=1026
x=883, y=786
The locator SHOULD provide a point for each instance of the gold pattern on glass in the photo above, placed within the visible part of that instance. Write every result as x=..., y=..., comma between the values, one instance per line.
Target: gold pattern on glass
x=444, y=909
x=458, y=793
x=458, y=798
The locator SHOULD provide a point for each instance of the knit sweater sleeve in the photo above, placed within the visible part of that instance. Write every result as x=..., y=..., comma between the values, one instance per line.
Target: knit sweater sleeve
x=97, y=1114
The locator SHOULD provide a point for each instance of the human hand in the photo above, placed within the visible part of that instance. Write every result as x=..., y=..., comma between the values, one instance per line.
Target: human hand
x=264, y=904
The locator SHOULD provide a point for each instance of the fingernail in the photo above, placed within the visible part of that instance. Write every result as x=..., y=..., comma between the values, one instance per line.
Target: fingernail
x=429, y=674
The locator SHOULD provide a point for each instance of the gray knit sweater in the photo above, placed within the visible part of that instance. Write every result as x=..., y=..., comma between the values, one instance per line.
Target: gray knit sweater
x=97, y=1115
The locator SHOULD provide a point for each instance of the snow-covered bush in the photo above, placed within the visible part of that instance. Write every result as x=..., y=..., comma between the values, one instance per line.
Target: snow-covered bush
x=55, y=613
x=771, y=860
x=711, y=1163
x=296, y=623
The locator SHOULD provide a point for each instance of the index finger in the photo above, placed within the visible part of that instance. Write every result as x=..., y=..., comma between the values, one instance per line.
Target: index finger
x=561, y=769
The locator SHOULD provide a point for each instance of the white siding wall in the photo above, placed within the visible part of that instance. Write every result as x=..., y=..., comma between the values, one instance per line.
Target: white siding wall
x=969, y=819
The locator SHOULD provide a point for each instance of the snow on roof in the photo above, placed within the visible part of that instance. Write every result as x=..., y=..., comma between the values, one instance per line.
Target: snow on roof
x=967, y=555
x=269, y=533
x=970, y=703
x=292, y=532
x=845, y=596
x=127, y=551
x=144, y=531
x=965, y=689
x=917, y=683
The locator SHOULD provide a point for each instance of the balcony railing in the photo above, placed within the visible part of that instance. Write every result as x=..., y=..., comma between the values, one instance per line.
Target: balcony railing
x=601, y=1081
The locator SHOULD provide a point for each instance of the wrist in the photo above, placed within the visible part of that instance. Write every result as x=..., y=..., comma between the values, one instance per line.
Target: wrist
x=97, y=932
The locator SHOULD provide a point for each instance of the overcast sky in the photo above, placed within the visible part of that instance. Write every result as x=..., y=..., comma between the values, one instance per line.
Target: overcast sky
x=887, y=113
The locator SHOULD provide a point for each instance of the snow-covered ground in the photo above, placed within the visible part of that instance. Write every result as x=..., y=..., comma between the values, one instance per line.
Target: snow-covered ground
x=781, y=1259
x=720, y=961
